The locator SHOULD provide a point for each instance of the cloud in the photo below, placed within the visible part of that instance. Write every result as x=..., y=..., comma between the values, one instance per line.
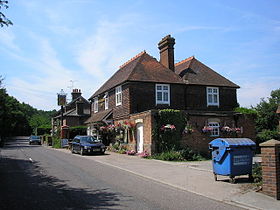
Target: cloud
x=104, y=50
x=7, y=40
x=251, y=92
x=46, y=75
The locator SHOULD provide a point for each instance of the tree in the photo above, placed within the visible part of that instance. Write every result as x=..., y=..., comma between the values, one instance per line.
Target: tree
x=3, y=19
x=267, y=118
x=19, y=118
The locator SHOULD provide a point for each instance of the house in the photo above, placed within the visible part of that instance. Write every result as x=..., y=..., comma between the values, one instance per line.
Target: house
x=143, y=85
x=74, y=113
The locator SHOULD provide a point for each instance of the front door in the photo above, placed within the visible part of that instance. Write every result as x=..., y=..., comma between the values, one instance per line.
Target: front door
x=140, y=138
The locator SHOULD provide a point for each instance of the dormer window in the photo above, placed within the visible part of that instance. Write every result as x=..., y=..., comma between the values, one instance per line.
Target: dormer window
x=212, y=96
x=163, y=94
x=118, y=93
x=95, y=105
x=106, y=99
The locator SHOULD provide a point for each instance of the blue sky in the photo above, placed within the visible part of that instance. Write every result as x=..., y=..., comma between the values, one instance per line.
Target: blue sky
x=53, y=42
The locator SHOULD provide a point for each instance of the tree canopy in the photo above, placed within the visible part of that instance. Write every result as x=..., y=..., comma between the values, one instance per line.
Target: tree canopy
x=19, y=118
x=4, y=21
x=267, y=118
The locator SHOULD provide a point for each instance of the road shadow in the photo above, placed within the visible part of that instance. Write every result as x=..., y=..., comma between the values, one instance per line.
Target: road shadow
x=23, y=185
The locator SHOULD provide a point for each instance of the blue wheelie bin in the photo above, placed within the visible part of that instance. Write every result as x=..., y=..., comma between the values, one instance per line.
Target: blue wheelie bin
x=232, y=157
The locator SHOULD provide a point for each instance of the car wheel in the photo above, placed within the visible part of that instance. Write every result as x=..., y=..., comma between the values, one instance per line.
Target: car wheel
x=72, y=150
x=82, y=151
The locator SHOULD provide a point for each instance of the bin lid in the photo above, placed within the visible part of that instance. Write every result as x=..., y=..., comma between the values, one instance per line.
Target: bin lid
x=232, y=142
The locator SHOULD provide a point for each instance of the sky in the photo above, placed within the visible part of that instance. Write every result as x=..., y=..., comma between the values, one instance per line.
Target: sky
x=68, y=44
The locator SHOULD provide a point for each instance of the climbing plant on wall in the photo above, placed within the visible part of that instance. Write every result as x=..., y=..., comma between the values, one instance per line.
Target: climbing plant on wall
x=168, y=129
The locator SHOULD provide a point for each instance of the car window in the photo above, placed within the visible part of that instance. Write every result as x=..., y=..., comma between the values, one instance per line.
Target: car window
x=77, y=140
x=89, y=139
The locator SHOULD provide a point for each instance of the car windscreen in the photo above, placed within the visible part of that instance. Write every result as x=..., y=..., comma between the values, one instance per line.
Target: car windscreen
x=89, y=139
x=35, y=137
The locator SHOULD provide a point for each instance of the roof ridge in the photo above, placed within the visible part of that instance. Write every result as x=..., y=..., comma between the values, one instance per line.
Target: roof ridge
x=185, y=60
x=132, y=59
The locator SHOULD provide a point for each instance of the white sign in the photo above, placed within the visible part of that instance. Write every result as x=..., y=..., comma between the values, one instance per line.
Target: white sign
x=241, y=160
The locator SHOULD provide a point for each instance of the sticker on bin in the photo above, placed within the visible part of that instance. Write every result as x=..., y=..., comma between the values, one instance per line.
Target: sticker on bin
x=240, y=160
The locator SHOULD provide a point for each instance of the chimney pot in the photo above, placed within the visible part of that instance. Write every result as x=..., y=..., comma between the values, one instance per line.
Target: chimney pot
x=76, y=93
x=166, y=47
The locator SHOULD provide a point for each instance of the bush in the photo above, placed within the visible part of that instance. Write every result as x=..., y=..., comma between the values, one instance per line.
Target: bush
x=169, y=138
x=56, y=143
x=42, y=130
x=179, y=155
x=171, y=155
x=257, y=174
x=77, y=130
x=266, y=135
x=191, y=155
x=244, y=110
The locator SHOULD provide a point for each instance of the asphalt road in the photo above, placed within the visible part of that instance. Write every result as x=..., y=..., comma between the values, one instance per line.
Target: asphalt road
x=36, y=177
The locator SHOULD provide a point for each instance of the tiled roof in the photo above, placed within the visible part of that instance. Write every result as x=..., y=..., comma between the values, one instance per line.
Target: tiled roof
x=142, y=68
x=80, y=98
x=99, y=116
x=196, y=73
x=73, y=112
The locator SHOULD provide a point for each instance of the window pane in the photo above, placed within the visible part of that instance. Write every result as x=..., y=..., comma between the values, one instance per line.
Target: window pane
x=210, y=99
x=159, y=87
x=165, y=87
x=215, y=90
x=209, y=90
x=165, y=96
x=215, y=98
x=159, y=96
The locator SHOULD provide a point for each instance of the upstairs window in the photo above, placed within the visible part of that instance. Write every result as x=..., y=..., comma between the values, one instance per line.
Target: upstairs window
x=163, y=94
x=212, y=96
x=95, y=105
x=215, y=128
x=118, y=95
x=106, y=98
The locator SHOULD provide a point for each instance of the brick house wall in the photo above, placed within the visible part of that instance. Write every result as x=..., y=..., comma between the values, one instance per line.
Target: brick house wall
x=140, y=96
x=196, y=98
x=199, y=141
x=147, y=119
x=143, y=98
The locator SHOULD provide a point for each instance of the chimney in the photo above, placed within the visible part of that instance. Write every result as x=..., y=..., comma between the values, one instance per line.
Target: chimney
x=166, y=47
x=76, y=93
x=80, y=107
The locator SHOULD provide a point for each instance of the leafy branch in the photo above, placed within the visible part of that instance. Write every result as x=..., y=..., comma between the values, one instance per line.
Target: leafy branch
x=4, y=21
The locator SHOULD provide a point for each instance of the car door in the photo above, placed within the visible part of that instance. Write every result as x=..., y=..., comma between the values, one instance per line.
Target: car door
x=75, y=144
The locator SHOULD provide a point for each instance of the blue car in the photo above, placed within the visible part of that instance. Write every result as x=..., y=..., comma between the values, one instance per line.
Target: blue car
x=87, y=145
x=34, y=140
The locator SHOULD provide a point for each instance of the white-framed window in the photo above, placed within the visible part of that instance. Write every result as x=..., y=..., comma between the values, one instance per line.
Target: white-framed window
x=95, y=105
x=118, y=94
x=215, y=128
x=212, y=96
x=163, y=94
x=106, y=99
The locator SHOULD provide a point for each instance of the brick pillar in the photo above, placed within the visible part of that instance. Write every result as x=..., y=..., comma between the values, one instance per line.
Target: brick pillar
x=270, y=152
